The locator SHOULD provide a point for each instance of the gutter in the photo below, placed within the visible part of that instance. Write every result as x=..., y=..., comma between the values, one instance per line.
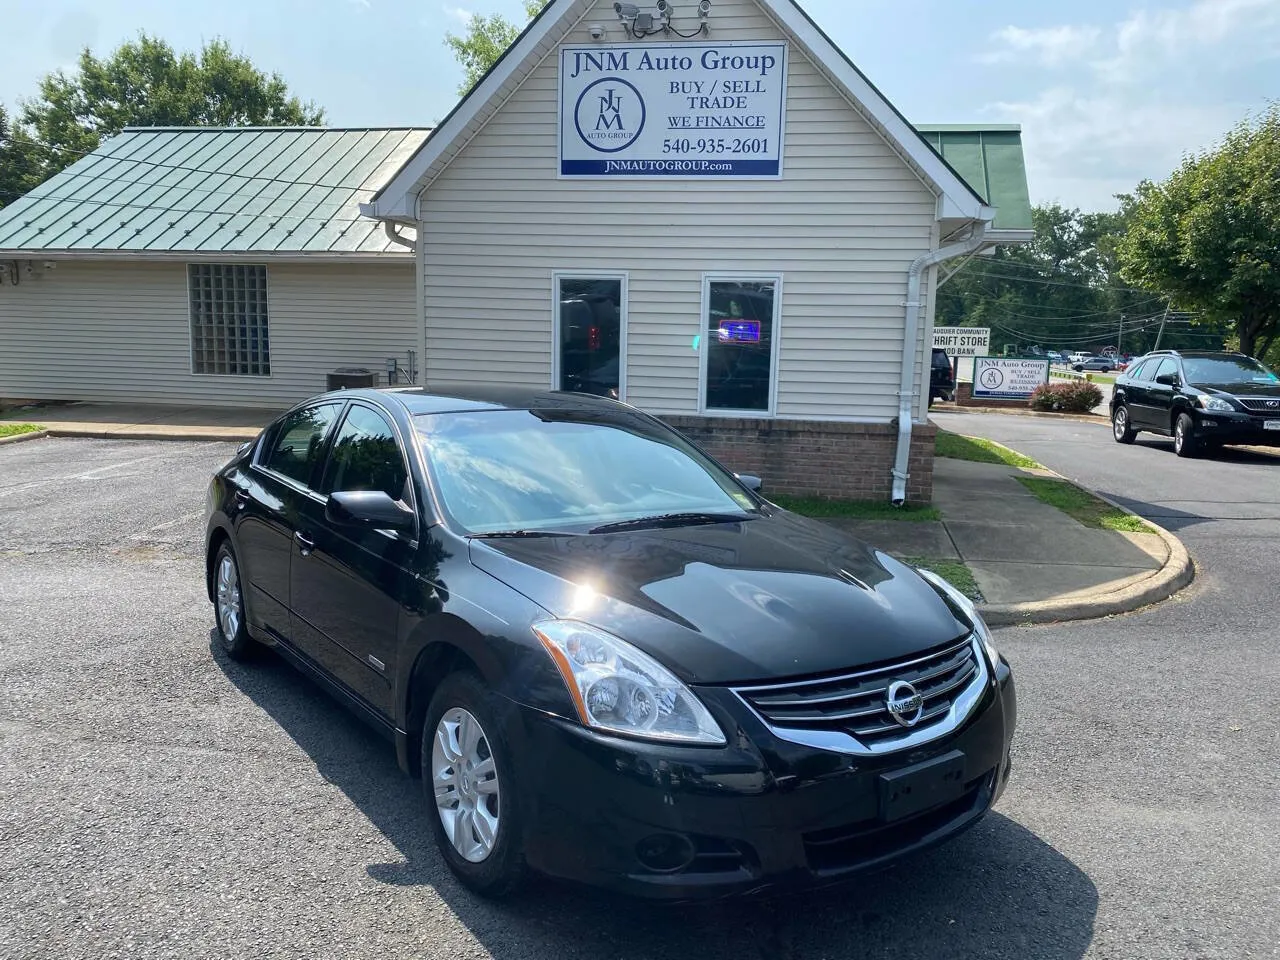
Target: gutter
x=389, y=228
x=906, y=390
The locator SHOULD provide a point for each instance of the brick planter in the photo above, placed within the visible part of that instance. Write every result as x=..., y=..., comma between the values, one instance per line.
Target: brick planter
x=964, y=398
x=816, y=458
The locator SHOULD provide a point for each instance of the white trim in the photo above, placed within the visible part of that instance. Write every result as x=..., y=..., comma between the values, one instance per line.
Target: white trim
x=624, y=279
x=213, y=256
x=775, y=343
x=191, y=341
x=398, y=198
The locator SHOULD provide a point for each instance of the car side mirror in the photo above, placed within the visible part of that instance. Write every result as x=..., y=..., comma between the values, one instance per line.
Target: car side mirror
x=369, y=510
x=752, y=483
x=1168, y=379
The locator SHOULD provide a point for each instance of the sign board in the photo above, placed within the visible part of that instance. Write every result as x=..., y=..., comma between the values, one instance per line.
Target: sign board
x=963, y=341
x=673, y=110
x=1005, y=378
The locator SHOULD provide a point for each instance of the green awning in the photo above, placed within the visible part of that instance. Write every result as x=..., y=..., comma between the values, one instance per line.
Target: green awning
x=990, y=160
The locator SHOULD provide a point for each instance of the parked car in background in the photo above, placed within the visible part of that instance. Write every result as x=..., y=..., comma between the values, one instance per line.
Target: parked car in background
x=1202, y=399
x=608, y=658
x=1078, y=356
x=1057, y=356
x=1105, y=364
x=942, y=378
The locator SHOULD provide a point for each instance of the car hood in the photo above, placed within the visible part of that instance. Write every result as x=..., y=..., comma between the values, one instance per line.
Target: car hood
x=776, y=596
x=1241, y=389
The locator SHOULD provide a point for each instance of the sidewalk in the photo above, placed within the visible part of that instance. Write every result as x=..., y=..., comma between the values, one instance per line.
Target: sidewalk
x=142, y=421
x=1032, y=562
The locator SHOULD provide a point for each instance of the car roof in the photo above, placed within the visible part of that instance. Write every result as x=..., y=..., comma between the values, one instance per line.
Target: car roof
x=419, y=401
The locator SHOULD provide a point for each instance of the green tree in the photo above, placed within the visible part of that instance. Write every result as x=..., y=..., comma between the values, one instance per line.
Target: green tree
x=1208, y=237
x=20, y=168
x=484, y=41
x=145, y=83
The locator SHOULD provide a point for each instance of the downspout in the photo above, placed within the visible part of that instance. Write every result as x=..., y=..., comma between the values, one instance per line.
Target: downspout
x=389, y=228
x=420, y=278
x=906, y=391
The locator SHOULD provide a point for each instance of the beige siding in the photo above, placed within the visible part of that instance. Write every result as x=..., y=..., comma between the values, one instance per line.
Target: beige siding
x=120, y=331
x=842, y=227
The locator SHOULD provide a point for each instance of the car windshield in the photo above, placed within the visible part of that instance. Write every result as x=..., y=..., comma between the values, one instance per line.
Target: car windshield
x=1224, y=370
x=568, y=470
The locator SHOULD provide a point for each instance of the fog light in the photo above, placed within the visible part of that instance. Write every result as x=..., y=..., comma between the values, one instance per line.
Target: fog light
x=665, y=852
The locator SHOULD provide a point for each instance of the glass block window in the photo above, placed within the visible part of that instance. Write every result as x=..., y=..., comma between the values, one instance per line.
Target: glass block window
x=229, y=319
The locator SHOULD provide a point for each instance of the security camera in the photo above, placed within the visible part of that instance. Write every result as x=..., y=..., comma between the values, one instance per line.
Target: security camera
x=704, y=8
x=626, y=11
x=596, y=31
x=664, y=8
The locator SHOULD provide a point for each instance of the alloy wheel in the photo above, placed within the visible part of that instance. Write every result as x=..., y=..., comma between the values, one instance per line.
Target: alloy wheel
x=1120, y=422
x=465, y=779
x=1179, y=436
x=228, y=598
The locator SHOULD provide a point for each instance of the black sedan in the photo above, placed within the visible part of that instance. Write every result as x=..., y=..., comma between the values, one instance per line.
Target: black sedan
x=607, y=657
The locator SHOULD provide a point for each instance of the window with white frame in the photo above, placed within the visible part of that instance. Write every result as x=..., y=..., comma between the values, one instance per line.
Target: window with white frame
x=591, y=334
x=229, y=319
x=740, y=344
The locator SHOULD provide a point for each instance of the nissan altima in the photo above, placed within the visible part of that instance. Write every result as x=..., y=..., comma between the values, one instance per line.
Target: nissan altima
x=607, y=657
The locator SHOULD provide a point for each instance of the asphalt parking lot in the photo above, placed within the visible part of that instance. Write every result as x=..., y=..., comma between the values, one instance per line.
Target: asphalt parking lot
x=158, y=800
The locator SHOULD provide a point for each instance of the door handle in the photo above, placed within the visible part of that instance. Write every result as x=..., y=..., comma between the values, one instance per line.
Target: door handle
x=241, y=498
x=305, y=543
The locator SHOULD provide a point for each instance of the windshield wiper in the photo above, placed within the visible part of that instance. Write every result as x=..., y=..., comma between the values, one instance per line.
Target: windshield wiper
x=671, y=520
x=523, y=534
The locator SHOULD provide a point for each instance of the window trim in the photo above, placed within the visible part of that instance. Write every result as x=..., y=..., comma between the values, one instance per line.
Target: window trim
x=261, y=456
x=191, y=338
x=623, y=317
x=704, y=344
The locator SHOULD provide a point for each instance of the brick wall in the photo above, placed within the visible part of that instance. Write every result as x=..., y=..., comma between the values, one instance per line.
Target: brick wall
x=964, y=398
x=814, y=457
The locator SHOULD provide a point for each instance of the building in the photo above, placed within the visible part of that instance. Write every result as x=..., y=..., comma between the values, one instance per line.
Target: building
x=716, y=218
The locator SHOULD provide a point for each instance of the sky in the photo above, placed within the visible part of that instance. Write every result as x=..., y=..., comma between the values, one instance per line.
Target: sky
x=1108, y=92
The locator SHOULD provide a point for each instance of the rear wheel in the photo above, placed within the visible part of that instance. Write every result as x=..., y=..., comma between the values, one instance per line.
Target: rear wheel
x=1185, y=443
x=228, y=603
x=470, y=784
x=1121, y=427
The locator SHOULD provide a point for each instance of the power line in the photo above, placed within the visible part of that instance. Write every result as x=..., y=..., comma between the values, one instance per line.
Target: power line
x=1052, y=283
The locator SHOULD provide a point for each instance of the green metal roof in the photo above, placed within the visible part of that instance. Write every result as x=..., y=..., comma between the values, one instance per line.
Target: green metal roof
x=990, y=160
x=216, y=190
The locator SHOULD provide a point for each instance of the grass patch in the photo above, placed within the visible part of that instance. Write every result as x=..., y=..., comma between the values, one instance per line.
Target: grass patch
x=1082, y=505
x=824, y=509
x=979, y=450
x=13, y=429
x=953, y=571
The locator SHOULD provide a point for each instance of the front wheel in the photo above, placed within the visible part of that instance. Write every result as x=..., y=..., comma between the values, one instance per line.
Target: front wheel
x=1185, y=443
x=1121, y=427
x=228, y=603
x=471, y=785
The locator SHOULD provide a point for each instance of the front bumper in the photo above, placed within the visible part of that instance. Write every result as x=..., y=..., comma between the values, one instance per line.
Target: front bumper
x=1239, y=428
x=758, y=813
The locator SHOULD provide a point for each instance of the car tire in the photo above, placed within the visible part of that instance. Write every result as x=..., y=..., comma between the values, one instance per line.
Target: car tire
x=228, y=605
x=481, y=810
x=1121, y=426
x=1185, y=443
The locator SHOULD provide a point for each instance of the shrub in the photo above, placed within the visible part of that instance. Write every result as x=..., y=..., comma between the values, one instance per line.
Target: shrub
x=1073, y=396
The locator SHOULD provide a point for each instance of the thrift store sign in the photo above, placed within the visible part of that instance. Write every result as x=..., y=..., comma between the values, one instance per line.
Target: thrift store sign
x=673, y=110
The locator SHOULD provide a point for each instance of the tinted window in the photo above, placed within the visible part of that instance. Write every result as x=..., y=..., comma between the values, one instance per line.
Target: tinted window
x=1143, y=370
x=519, y=470
x=1241, y=370
x=739, y=332
x=366, y=456
x=1167, y=365
x=591, y=335
x=298, y=441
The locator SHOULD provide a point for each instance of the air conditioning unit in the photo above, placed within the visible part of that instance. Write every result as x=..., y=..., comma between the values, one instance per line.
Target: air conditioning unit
x=351, y=378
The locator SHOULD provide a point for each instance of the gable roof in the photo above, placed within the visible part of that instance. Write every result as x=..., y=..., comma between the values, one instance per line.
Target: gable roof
x=990, y=159
x=270, y=190
x=397, y=199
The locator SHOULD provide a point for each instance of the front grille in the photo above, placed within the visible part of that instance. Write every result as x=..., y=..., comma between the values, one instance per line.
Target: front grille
x=1260, y=405
x=856, y=702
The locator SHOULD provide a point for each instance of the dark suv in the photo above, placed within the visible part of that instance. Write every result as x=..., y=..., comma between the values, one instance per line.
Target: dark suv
x=942, y=380
x=1203, y=400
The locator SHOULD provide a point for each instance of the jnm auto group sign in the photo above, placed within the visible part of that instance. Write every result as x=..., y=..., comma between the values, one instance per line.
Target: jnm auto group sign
x=673, y=110
x=1008, y=378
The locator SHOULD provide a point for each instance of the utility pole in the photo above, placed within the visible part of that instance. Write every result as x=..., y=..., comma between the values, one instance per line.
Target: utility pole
x=1119, y=335
x=1163, y=321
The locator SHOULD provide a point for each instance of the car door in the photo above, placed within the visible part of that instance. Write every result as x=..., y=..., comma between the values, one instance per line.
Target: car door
x=1135, y=391
x=1158, y=408
x=347, y=582
x=268, y=502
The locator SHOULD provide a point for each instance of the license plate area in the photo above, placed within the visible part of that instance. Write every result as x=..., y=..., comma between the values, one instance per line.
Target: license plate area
x=921, y=786
x=1271, y=424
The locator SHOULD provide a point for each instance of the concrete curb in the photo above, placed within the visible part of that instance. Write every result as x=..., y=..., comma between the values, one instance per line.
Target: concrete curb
x=1015, y=412
x=1178, y=571
x=224, y=435
x=20, y=437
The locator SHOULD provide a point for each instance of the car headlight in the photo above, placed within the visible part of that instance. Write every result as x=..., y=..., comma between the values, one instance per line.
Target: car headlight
x=1214, y=403
x=964, y=603
x=618, y=689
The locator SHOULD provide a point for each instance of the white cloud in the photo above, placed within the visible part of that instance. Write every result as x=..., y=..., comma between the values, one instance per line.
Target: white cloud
x=460, y=14
x=1049, y=45
x=362, y=4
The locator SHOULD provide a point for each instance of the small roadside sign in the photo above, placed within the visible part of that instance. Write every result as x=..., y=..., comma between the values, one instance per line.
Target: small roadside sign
x=1006, y=378
x=963, y=341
